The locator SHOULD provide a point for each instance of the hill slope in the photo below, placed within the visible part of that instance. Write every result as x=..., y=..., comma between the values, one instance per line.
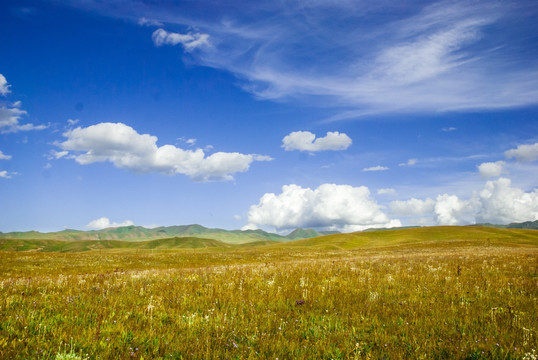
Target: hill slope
x=139, y=233
x=427, y=236
x=87, y=245
x=410, y=238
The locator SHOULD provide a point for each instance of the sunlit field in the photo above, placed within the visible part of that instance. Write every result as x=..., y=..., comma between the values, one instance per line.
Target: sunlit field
x=444, y=299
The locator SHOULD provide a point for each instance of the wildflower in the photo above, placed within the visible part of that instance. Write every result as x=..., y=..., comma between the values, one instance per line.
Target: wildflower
x=299, y=302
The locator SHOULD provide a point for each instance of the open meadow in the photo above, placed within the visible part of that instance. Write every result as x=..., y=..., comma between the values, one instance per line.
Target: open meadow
x=426, y=293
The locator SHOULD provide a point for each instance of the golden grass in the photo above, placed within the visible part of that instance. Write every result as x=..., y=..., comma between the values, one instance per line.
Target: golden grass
x=449, y=300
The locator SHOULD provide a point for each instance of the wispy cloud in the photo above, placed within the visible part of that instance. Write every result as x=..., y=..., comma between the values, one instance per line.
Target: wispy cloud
x=10, y=114
x=409, y=162
x=4, y=156
x=357, y=57
x=149, y=22
x=376, y=168
x=189, y=41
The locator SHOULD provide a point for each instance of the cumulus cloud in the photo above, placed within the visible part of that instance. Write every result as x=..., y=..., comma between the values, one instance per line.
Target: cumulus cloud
x=4, y=156
x=250, y=227
x=306, y=141
x=330, y=206
x=4, y=86
x=189, y=41
x=523, y=153
x=498, y=202
x=125, y=148
x=501, y=203
x=491, y=169
x=103, y=223
x=376, y=168
x=450, y=210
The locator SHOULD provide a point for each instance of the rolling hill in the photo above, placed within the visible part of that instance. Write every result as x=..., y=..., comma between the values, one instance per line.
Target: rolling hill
x=139, y=233
x=409, y=237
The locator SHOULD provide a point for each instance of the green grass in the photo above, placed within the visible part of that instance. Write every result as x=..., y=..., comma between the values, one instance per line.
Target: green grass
x=427, y=293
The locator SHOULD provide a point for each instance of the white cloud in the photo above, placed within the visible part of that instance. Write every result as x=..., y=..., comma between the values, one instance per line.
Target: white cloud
x=4, y=156
x=72, y=122
x=501, y=204
x=250, y=227
x=491, y=169
x=330, y=206
x=237, y=217
x=4, y=86
x=191, y=141
x=497, y=203
x=450, y=210
x=386, y=191
x=103, y=223
x=449, y=129
x=523, y=153
x=148, y=22
x=434, y=56
x=7, y=175
x=306, y=141
x=11, y=114
x=376, y=168
x=125, y=148
x=53, y=154
x=409, y=162
x=189, y=41
x=412, y=207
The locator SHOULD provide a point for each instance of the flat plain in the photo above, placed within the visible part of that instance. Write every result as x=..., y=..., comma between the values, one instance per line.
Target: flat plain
x=424, y=293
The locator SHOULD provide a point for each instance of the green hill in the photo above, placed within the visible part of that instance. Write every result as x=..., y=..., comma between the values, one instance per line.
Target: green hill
x=139, y=233
x=410, y=237
x=424, y=236
x=88, y=245
x=524, y=225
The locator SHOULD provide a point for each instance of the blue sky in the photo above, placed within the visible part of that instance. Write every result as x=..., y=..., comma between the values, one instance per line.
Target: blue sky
x=275, y=115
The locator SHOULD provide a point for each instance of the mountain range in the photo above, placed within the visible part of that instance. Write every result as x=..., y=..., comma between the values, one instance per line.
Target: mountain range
x=139, y=233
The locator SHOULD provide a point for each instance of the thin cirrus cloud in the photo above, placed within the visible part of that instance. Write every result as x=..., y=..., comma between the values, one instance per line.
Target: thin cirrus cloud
x=382, y=58
x=375, y=168
x=306, y=141
x=127, y=149
x=330, y=206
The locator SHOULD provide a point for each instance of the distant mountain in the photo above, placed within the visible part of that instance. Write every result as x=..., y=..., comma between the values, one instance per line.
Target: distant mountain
x=533, y=225
x=139, y=233
x=524, y=225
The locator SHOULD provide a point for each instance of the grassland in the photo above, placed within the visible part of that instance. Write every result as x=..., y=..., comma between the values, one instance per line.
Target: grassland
x=429, y=293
